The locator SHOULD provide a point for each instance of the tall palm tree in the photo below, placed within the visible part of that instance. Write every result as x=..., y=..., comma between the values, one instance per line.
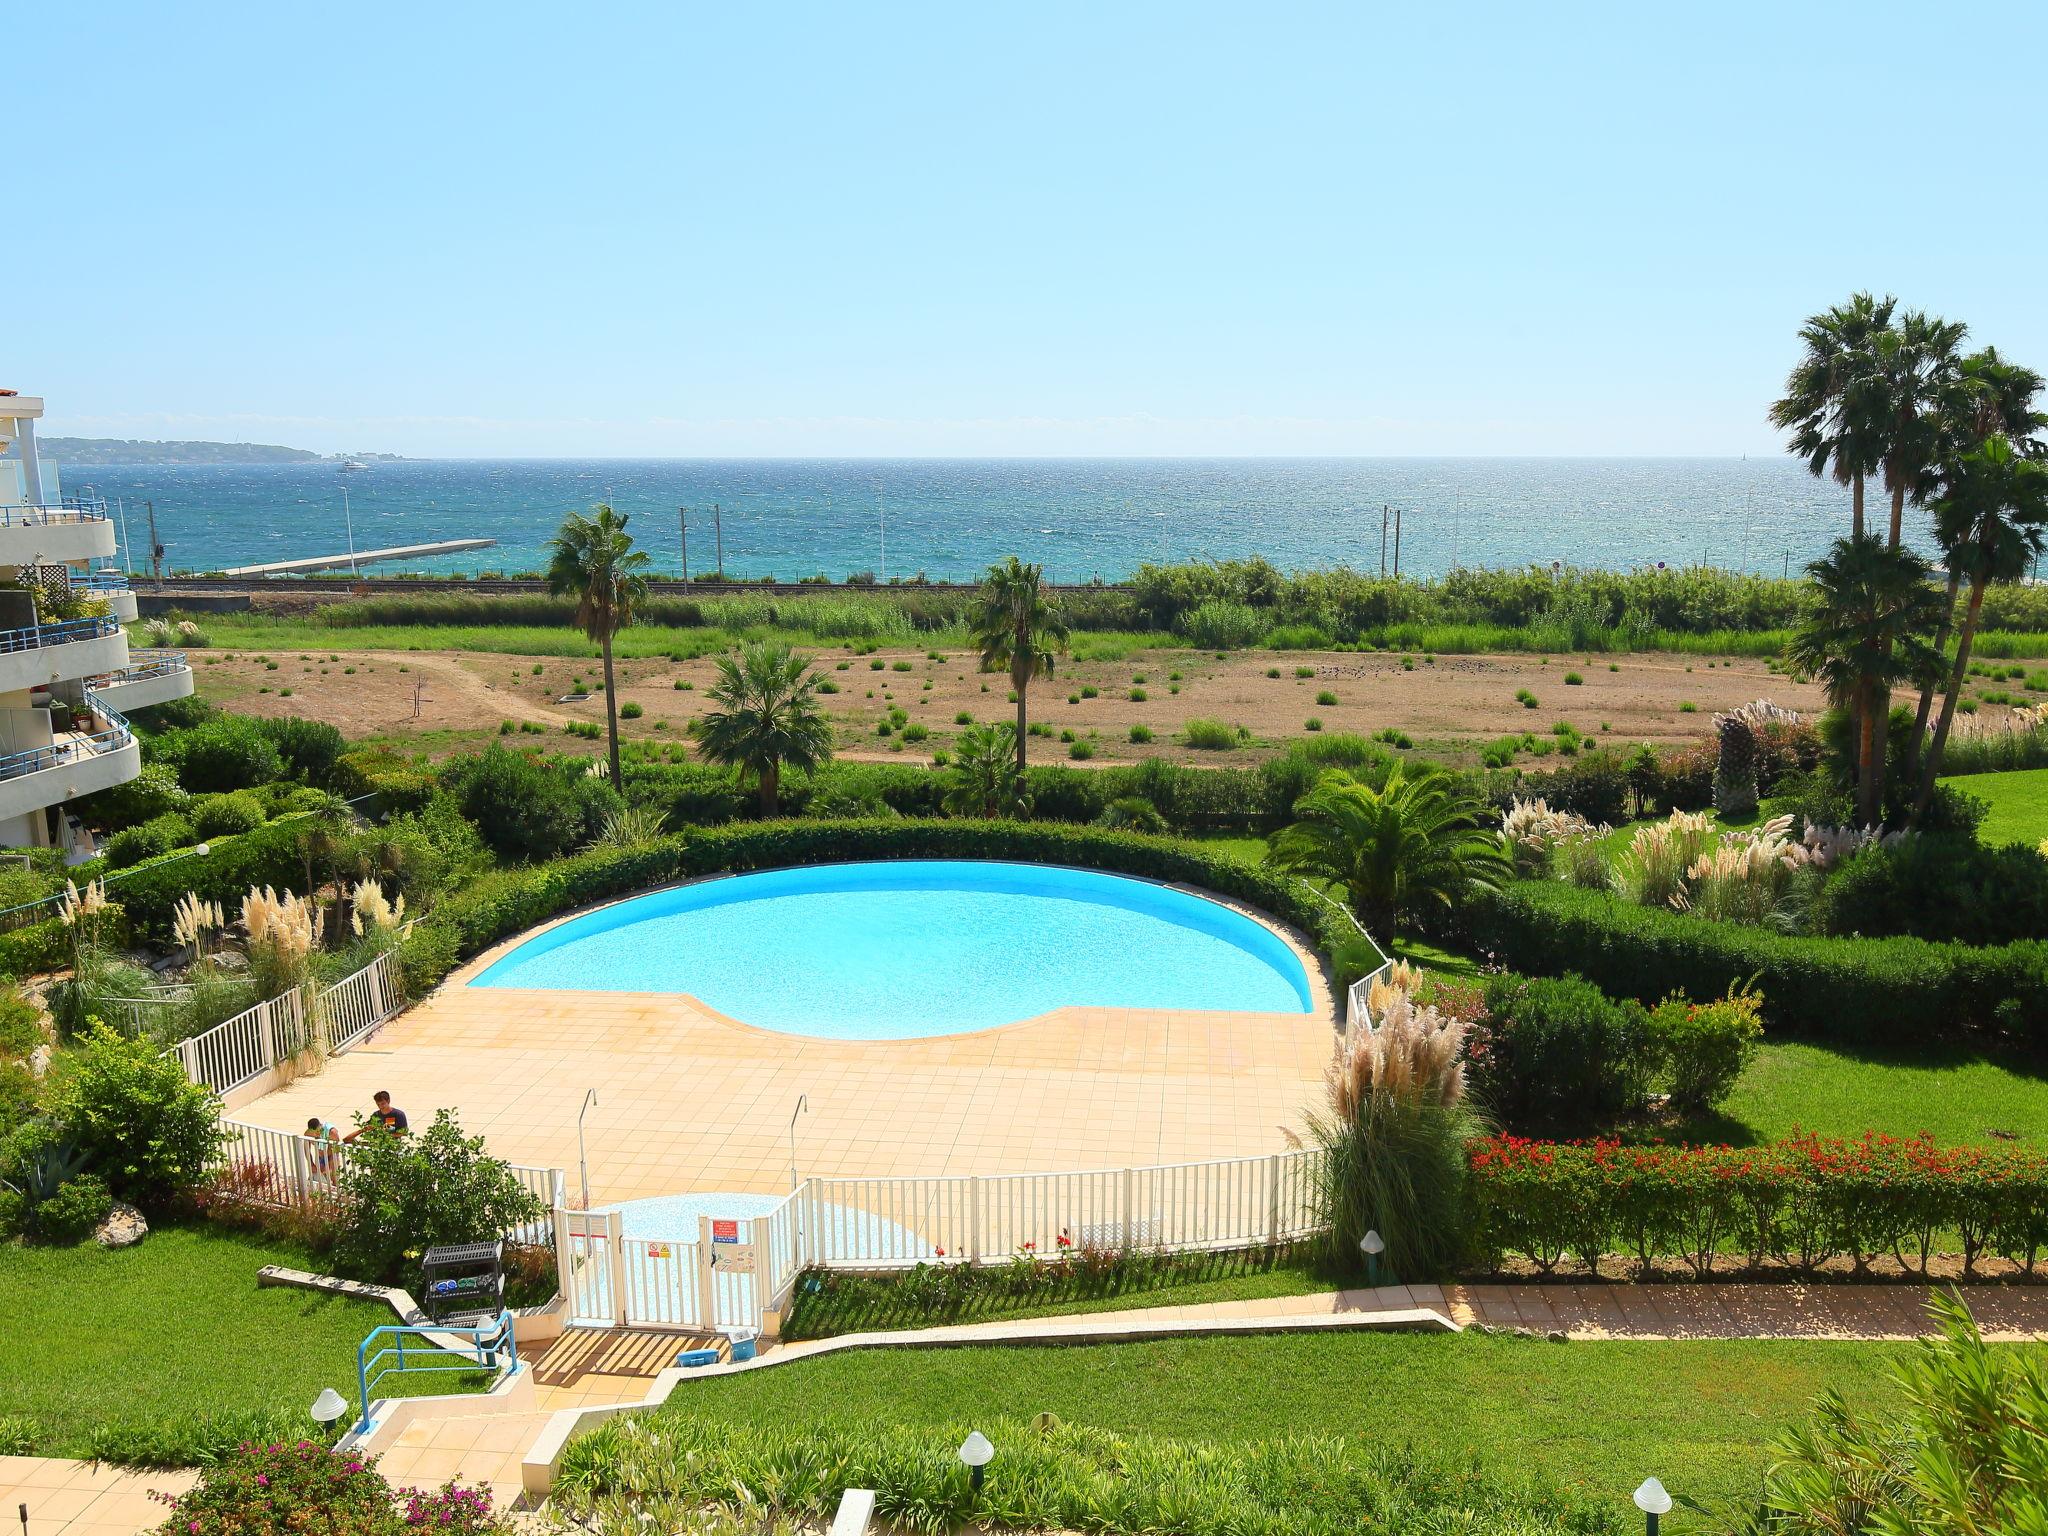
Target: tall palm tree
x=1917, y=361
x=1988, y=396
x=1829, y=404
x=768, y=718
x=1992, y=521
x=982, y=780
x=1865, y=630
x=1019, y=629
x=1419, y=839
x=592, y=559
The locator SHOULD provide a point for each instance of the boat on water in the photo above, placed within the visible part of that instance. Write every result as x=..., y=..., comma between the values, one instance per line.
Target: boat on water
x=348, y=464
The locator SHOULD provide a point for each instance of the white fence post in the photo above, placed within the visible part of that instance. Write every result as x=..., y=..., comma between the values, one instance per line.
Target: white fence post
x=301, y=1177
x=1130, y=1208
x=378, y=1004
x=1273, y=1166
x=707, y=1278
x=973, y=1219
x=615, y=1258
x=266, y=1028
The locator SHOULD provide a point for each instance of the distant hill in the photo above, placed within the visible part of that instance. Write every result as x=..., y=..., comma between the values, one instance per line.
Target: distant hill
x=80, y=452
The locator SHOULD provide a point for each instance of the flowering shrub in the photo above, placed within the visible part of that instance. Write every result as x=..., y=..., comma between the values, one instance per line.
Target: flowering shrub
x=1798, y=1203
x=1702, y=1048
x=258, y=1490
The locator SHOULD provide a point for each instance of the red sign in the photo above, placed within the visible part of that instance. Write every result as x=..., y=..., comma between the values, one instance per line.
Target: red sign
x=725, y=1231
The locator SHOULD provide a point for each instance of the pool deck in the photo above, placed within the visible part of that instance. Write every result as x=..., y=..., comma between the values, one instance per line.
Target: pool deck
x=689, y=1100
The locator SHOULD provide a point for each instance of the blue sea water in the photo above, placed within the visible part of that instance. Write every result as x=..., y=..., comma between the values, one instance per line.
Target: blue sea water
x=915, y=948
x=1082, y=518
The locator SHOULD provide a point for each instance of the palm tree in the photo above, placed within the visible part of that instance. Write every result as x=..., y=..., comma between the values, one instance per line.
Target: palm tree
x=1866, y=630
x=593, y=560
x=983, y=780
x=1917, y=362
x=1992, y=521
x=1828, y=406
x=768, y=718
x=1019, y=630
x=1418, y=839
x=1988, y=396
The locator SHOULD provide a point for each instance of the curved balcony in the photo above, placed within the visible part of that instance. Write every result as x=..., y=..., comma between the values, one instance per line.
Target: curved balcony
x=151, y=677
x=69, y=531
x=43, y=654
x=109, y=586
x=99, y=753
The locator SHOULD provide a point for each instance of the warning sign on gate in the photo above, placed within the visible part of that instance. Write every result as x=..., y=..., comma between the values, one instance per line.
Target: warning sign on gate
x=725, y=1231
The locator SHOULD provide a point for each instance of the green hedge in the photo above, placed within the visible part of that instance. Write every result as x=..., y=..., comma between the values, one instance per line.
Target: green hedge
x=1854, y=989
x=510, y=901
x=149, y=892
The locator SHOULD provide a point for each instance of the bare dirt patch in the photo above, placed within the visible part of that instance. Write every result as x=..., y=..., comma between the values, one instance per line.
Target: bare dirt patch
x=1449, y=704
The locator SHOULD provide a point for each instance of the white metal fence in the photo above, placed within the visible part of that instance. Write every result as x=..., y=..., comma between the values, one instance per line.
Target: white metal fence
x=257, y=1039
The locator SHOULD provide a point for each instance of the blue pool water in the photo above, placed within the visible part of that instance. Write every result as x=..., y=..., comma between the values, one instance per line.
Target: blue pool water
x=910, y=948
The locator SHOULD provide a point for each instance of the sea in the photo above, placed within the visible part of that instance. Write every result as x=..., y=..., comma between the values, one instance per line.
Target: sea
x=949, y=519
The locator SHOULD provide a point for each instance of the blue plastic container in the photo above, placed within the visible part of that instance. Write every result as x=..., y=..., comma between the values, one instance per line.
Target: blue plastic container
x=697, y=1357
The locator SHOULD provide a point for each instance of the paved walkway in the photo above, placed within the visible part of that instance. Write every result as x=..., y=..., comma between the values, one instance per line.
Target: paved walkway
x=83, y=1498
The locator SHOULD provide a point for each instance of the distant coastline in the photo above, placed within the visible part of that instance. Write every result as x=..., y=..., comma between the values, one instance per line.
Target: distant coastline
x=84, y=452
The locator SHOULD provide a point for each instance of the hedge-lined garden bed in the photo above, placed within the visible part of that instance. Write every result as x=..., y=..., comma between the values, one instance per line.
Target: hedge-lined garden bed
x=1851, y=989
x=510, y=901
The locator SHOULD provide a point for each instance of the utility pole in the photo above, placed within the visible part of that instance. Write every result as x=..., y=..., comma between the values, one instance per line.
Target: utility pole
x=683, y=517
x=1383, y=540
x=718, y=528
x=349, y=523
x=156, y=549
x=1397, y=543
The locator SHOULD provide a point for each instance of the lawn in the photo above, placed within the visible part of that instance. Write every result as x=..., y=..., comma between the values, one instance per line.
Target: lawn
x=149, y=1339
x=2018, y=801
x=1698, y=1414
x=1957, y=1096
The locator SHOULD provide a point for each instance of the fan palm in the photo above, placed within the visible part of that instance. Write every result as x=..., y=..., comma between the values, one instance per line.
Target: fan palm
x=1830, y=402
x=982, y=780
x=1917, y=361
x=1992, y=520
x=592, y=559
x=1865, y=630
x=1019, y=629
x=768, y=718
x=1417, y=840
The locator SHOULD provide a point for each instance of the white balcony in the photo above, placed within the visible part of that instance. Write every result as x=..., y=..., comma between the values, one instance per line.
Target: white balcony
x=97, y=751
x=151, y=677
x=69, y=533
x=53, y=653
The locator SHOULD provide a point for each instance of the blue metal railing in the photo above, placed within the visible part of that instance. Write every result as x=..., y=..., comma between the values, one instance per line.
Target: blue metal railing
x=492, y=1345
x=69, y=632
x=144, y=663
x=115, y=736
x=100, y=581
x=36, y=516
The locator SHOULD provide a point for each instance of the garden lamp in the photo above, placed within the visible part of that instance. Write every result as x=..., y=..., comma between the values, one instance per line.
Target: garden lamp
x=1653, y=1501
x=329, y=1406
x=1372, y=1245
x=977, y=1453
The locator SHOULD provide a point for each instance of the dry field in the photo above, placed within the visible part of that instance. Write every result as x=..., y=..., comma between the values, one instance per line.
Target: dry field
x=1448, y=705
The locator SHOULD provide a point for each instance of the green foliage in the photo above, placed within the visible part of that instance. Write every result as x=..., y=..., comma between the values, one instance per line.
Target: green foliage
x=230, y=752
x=69, y=1216
x=225, y=815
x=1052, y=1477
x=1856, y=989
x=151, y=839
x=142, y=1126
x=282, y=1486
x=153, y=792
x=401, y=1195
x=1218, y=625
x=765, y=717
x=982, y=778
x=1213, y=735
x=1701, y=1050
x=1133, y=813
x=527, y=809
x=310, y=750
x=1557, y=1054
x=1937, y=886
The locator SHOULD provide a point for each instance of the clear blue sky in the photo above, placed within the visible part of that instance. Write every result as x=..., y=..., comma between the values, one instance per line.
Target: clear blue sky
x=659, y=228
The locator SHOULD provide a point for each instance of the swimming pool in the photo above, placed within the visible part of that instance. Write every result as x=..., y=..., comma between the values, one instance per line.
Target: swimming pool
x=909, y=948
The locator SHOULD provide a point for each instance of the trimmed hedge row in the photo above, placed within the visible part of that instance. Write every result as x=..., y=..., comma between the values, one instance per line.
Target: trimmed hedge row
x=510, y=901
x=1799, y=1203
x=1853, y=989
x=149, y=892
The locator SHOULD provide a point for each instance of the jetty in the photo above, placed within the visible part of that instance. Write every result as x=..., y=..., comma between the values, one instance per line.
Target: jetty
x=361, y=557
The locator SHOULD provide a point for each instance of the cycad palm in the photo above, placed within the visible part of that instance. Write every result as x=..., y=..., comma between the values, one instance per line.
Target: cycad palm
x=1991, y=520
x=1830, y=406
x=768, y=718
x=1866, y=630
x=982, y=780
x=1018, y=629
x=593, y=560
x=1416, y=841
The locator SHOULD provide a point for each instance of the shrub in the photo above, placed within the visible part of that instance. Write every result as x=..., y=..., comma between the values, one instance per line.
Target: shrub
x=631, y=711
x=310, y=749
x=1702, y=1049
x=225, y=815
x=1861, y=990
x=152, y=839
x=21, y=1029
x=400, y=1195
x=1081, y=751
x=232, y=752
x=1594, y=785
x=1325, y=699
x=153, y=792
x=1937, y=886
x=1219, y=625
x=1557, y=1054
x=1574, y=680
x=1799, y=1203
x=280, y=1487
x=145, y=1129
x=1141, y=734
x=1212, y=735
x=526, y=809
x=70, y=1215
x=1132, y=813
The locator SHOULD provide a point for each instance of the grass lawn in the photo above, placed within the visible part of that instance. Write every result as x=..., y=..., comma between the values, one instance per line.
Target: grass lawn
x=1604, y=1415
x=172, y=1329
x=2018, y=801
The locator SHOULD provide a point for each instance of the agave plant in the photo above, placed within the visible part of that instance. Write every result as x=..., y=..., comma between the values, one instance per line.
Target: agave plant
x=631, y=826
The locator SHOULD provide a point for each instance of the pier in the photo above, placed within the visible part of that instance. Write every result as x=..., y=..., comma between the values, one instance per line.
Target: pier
x=365, y=557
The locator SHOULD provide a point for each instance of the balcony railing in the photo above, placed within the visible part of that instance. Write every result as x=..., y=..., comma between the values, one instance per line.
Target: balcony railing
x=69, y=632
x=144, y=664
x=100, y=581
x=113, y=736
x=38, y=516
